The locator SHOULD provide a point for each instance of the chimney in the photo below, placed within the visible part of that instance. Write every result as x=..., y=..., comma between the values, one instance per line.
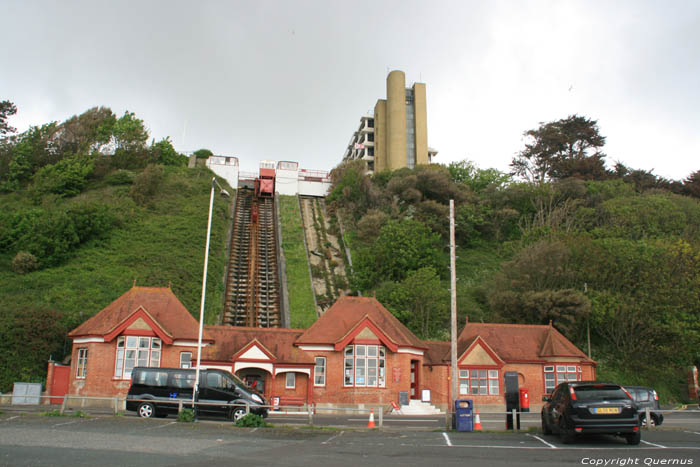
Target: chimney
x=467, y=321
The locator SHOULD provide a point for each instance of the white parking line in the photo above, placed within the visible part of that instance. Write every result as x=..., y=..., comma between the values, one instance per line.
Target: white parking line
x=447, y=438
x=656, y=445
x=693, y=432
x=332, y=438
x=159, y=426
x=545, y=442
x=67, y=423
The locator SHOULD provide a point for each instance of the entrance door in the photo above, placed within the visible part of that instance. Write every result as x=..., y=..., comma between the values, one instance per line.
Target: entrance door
x=415, y=393
x=61, y=375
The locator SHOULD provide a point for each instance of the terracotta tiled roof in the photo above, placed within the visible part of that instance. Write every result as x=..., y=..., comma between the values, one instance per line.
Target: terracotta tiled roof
x=347, y=313
x=438, y=353
x=519, y=342
x=231, y=339
x=160, y=303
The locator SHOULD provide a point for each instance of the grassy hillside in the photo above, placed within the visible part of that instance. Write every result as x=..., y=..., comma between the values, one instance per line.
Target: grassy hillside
x=301, y=300
x=159, y=244
x=614, y=255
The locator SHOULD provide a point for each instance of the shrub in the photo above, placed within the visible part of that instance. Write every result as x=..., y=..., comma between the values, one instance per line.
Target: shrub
x=252, y=421
x=120, y=177
x=67, y=177
x=203, y=154
x=24, y=262
x=146, y=184
x=186, y=416
x=51, y=413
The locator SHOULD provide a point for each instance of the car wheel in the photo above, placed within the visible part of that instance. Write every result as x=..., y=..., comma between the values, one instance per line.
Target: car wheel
x=146, y=410
x=545, y=426
x=237, y=413
x=652, y=422
x=634, y=438
x=565, y=433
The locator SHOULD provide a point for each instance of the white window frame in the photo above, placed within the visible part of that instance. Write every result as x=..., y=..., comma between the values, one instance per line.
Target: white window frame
x=479, y=382
x=81, y=367
x=364, y=366
x=290, y=381
x=559, y=374
x=133, y=351
x=320, y=371
x=187, y=357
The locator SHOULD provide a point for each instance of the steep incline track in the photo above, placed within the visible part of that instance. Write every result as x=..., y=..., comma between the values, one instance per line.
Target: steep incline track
x=252, y=285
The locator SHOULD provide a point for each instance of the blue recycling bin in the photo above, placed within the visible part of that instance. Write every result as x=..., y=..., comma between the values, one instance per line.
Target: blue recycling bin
x=464, y=415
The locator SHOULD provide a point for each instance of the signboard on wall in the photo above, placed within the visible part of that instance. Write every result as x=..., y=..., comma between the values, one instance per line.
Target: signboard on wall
x=396, y=374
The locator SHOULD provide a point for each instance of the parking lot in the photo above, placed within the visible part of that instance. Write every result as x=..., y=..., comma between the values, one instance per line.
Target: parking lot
x=32, y=439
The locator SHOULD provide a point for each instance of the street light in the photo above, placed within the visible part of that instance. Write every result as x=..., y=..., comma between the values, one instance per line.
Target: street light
x=225, y=194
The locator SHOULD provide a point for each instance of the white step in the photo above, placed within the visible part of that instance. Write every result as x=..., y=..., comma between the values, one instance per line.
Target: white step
x=416, y=407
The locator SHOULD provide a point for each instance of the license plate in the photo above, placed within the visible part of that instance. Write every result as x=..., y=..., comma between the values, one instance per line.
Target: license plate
x=606, y=410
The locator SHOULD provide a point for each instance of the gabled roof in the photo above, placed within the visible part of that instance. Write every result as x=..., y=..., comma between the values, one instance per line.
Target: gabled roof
x=350, y=315
x=157, y=306
x=479, y=345
x=233, y=341
x=518, y=342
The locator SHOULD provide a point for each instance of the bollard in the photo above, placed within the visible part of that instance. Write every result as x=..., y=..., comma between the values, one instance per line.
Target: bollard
x=63, y=404
x=515, y=422
x=116, y=405
x=179, y=407
x=311, y=415
x=381, y=417
x=647, y=413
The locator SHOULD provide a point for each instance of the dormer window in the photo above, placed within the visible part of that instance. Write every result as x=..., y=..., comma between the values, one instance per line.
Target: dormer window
x=133, y=351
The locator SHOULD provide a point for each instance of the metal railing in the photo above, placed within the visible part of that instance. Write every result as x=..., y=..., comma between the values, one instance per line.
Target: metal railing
x=117, y=405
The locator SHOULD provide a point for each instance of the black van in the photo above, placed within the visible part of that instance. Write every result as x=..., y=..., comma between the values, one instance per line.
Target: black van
x=158, y=391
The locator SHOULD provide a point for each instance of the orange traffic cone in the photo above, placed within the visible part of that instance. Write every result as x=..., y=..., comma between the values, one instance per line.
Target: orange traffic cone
x=477, y=422
x=371, y=419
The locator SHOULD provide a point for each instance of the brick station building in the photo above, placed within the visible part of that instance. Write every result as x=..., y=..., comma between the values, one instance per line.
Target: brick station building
x=357, y=353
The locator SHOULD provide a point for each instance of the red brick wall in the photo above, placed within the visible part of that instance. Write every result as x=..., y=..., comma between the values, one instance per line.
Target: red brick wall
x=398, y=366
x=100, y=381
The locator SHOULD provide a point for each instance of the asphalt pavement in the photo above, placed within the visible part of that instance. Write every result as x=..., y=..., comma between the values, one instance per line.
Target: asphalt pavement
x=36, y=440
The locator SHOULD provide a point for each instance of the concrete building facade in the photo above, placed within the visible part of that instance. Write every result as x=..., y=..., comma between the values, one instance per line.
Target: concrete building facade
x=396, y=135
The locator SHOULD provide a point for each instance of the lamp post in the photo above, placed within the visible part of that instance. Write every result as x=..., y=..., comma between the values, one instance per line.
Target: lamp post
x=195, y=393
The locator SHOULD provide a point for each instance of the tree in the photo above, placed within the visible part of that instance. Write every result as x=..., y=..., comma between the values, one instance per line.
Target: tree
x=691, y=185
x=467, y=173
x=203, y=154
x=570, y=147
x=420, y=301
x=164, y=153
x=7, y=109
x=130, y=136
x=401, y=247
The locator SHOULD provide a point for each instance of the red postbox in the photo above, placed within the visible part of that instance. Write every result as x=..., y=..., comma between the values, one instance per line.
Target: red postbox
x=524, y=400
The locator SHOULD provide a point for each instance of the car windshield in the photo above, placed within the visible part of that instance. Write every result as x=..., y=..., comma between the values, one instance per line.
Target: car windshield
x=599, y=392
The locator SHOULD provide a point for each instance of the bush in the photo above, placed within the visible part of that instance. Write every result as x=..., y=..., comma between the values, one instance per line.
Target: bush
x=186, y=416
x=51, y=235
x=146, y=185
x=24, y=263
x=252, y=421
x=120, y=177
x=67, y=177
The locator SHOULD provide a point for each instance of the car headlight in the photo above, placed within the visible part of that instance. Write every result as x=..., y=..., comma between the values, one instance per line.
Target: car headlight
x=257, y=398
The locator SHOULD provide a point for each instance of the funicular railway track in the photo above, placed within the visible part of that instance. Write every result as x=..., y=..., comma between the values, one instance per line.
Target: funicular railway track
x=252, y=285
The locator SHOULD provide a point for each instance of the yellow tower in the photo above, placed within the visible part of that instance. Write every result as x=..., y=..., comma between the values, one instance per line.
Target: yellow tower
x=396, y=135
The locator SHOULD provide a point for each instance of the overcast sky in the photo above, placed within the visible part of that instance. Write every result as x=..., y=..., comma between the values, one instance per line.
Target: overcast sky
x=289, y=80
